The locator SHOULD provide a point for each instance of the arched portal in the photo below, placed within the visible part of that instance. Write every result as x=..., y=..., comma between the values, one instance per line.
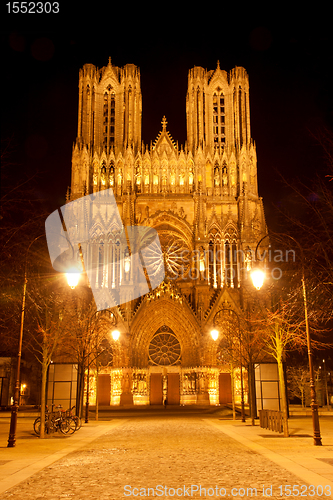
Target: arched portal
x=165, y=341
x=163, y=312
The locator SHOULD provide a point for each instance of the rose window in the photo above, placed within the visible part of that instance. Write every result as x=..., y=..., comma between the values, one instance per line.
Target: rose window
x=175, y=257
x=164, y=348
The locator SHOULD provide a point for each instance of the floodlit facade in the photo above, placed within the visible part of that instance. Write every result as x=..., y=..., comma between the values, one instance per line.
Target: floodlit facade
x=201, y=198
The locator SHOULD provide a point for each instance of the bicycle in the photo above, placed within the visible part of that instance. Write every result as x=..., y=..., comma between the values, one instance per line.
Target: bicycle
x=55, y=421
x=77, y=420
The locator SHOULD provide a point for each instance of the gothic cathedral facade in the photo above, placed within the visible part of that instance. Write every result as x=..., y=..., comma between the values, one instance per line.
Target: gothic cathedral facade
x=202, y=199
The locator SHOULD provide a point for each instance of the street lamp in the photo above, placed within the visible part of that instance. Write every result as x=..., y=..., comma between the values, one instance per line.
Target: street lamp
x=16, y=399
x=258, y=278
x=74, y=270
x=215, y=334
x=73, y=278
x=314, y=404
x=115, y=335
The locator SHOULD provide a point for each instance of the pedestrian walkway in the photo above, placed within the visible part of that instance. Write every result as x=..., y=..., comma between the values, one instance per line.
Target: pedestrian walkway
x=296, y=453
x=195, y=455
x=31, y=454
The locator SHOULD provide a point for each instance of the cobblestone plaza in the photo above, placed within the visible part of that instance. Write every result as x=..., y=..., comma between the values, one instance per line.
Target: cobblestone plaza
x=168, y=454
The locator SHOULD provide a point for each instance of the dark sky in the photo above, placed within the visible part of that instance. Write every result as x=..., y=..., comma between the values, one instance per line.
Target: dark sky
x=289, y=66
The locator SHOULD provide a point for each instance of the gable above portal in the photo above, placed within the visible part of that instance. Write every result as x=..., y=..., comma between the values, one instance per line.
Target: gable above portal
x=164, y=143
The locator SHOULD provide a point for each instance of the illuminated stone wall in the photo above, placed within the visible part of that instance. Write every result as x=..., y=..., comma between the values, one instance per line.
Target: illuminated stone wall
x=201, y=197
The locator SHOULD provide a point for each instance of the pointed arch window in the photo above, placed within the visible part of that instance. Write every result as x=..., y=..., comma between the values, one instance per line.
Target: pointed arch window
x=138, y=177
x=112, y=175
x=112, y=117
x=103, y=176
x=219, y=118
x=99, y=269
x=109, y=113
x=215, y=260
x=211, y=269
x=240, y=116
x=216, y=175
x=231, y=260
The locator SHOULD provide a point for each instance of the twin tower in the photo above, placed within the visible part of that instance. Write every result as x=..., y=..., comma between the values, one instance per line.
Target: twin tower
x=218, y=152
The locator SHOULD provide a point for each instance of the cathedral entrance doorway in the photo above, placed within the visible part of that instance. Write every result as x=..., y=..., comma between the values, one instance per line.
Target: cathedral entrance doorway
x=165, y=385
x=104, y=389
x=173, y=390
x=156, y=389
x=225, y=396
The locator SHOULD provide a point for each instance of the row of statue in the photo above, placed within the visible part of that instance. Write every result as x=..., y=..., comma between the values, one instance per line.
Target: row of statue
x=137, y=382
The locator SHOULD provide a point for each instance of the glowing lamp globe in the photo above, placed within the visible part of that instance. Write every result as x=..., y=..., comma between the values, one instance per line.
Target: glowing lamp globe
x=72, y=277
x=214, y=334
x=258, y=277
x=115, y=335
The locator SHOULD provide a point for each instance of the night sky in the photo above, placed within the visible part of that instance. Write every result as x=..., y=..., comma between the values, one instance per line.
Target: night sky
x=289, y=66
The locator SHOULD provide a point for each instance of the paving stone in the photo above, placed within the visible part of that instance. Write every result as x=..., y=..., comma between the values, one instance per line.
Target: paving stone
x=168, y=451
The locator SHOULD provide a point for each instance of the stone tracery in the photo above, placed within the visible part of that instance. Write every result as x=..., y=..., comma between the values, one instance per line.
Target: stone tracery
x=201, y=197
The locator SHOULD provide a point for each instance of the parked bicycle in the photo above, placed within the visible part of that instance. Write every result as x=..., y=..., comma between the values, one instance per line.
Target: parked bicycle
x=71, y=414
x=56, y=420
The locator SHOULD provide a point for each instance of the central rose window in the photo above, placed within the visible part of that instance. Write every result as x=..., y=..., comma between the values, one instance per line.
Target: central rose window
x=164, y=348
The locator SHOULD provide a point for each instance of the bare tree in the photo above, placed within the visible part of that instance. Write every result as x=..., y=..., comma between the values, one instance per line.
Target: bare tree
x=283, y=330
x=46, y=338
x=252, y=345
x=86, y=328
x=240, y=345
x=298, y=382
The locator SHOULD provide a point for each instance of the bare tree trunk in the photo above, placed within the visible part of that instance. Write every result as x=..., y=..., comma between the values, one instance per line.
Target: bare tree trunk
x=96, y=411
x=45, y=365
x=283, y=396
x=233, y=391
x=43, y=400
x=80, y=392
x=86, y=419
x=251, y=390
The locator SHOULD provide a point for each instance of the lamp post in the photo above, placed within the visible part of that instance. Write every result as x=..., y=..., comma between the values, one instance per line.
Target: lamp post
x=256, y=282
x=16, y=398
x=86, y=419
x=115, y=335
x=215, y=333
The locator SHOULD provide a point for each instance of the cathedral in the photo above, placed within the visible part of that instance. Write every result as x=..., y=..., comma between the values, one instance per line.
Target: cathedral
x=201, y=198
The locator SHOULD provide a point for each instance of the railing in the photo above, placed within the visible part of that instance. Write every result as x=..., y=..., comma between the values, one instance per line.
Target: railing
x=271, y=419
